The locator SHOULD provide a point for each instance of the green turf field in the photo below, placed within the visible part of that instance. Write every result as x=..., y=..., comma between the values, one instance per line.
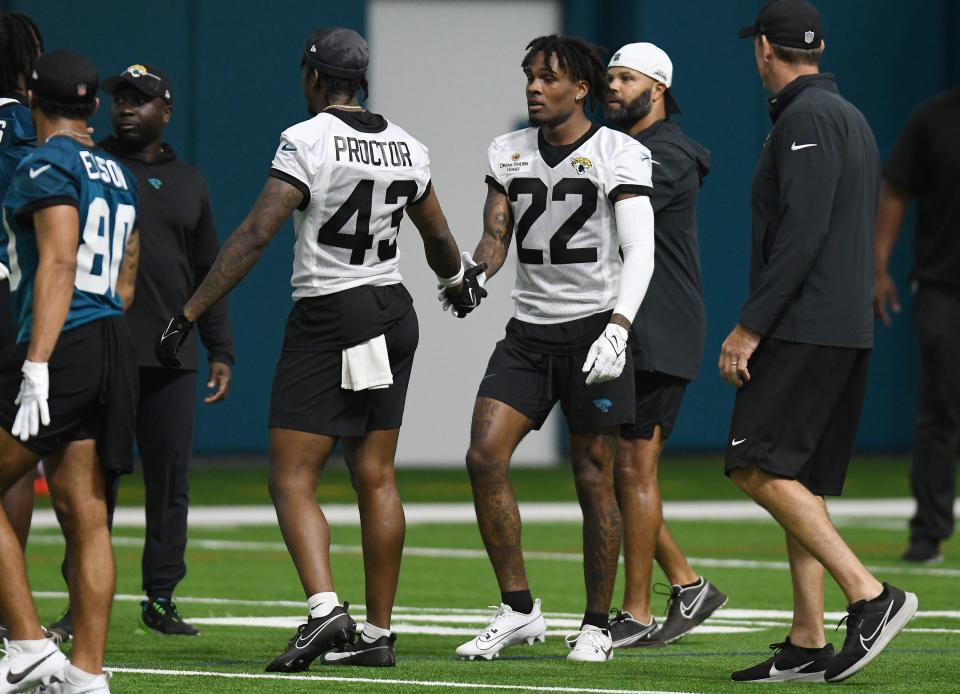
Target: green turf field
x=243, y=590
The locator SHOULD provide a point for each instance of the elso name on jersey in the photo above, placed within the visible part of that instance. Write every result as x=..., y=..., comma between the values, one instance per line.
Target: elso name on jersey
x=105, y=170
x=373, y=152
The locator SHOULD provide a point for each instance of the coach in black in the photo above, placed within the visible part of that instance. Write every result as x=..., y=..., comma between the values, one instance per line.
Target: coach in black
x=178, y=245
x=925, y=163
x=799, y=355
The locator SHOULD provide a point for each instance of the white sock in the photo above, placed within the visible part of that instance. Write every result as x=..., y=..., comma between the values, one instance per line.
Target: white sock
x=31, y=645
x=321, y=604
x=371, y=632
x=77, y=676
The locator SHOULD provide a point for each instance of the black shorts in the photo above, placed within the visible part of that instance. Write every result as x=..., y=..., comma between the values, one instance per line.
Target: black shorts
x=658, y=397
x=76, y=370
x=532, y=382
x=307, y=395
x=797, y=417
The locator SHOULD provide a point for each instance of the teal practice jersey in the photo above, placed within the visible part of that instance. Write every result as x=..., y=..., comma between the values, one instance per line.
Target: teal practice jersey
x=17, y=140
x=65, y=172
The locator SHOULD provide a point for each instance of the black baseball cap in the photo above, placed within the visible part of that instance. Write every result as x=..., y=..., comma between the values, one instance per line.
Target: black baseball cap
x=337, y=51
x=792, y=23
x=146, y=79
x=64, y=76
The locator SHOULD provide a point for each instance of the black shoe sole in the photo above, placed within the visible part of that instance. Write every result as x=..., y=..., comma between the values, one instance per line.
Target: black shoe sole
x=702, y=615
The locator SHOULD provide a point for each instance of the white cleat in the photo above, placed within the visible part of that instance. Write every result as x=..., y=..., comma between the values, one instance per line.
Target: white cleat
x=99, y=685
x=21, y=671
x=590, y=645
x=506, y=628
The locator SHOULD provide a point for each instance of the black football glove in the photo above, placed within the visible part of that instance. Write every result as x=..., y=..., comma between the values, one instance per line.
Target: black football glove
x=471, y=292
x=171, y=340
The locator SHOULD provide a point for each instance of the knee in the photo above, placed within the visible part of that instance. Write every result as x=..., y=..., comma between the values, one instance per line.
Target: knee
x=285, y=486
x=79, y=515
x=373, y=478
x=484, y=465
x=634, y=469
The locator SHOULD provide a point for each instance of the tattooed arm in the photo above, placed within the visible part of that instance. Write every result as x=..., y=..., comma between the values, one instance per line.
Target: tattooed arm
x=246, y=244
x=497, y=231
x=127, y=281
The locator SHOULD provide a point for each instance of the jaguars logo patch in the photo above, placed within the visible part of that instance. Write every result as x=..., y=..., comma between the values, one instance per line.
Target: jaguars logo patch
x=515, y=156
x=137, y=70
x=581, y=164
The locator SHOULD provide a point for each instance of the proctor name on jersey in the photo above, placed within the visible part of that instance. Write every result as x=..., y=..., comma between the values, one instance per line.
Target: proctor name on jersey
x=372, y=152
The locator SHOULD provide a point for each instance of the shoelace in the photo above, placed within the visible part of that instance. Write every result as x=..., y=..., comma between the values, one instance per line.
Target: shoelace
x=618, y=617
x=500, y=611
x=669, y=592
x=573, y=640
x=777, y=647
x=853, y=623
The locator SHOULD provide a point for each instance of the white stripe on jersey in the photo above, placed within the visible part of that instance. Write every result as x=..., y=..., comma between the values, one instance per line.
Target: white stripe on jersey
x=359, y=184
x=565, y=228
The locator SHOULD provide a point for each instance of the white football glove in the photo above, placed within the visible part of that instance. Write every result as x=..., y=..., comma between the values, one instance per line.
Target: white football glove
x=4, y=272
x=607, y=355
x=34, y=391
x=468, y=262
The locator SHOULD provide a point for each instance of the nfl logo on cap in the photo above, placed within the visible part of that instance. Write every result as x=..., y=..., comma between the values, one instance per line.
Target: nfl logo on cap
x=808, y=37
x=81, y=90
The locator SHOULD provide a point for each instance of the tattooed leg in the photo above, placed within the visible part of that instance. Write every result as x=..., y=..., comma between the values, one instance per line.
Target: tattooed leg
x=592, y=456
x=494, y=434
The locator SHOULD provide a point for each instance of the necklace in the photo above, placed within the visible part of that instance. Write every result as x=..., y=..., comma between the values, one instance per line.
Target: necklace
x=344, y=107
x=70, y=133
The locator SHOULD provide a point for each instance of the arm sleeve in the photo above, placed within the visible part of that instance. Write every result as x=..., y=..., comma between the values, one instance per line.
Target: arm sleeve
x=493, y=176
x=214, y=325
x=630, y=171
x=290, y=166
x=635, y=229
x=904, y=168
x=809, y=160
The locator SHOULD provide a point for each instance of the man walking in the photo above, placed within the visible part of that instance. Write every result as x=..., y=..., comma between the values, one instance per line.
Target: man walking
x=667, y=344
x=799, y=354
x=924, y=165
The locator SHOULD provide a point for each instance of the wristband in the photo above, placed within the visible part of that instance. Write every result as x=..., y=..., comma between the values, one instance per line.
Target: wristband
x=448, y=282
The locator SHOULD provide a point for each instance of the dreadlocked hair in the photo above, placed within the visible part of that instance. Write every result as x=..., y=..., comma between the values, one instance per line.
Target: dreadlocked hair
x=20, y=41
x=581, y=60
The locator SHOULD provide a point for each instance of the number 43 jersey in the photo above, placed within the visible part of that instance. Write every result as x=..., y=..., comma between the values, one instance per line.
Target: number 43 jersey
x=357, y=173
x=568, y=251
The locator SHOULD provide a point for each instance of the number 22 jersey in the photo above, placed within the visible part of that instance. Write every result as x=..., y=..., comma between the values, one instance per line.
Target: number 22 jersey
x=568, y=251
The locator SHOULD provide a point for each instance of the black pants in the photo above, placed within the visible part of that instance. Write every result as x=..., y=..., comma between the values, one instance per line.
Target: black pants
x=933, y=476
x=165, y=438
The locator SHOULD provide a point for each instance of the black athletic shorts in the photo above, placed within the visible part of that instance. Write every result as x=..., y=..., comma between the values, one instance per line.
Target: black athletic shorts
x=307, y=395
x=532, y=382
x=798, y=415
x=76, y=370
x=657, y=401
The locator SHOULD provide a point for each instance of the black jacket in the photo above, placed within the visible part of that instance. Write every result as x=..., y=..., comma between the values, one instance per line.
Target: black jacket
x=178, y=244
x=668, y=331
x=814, y=203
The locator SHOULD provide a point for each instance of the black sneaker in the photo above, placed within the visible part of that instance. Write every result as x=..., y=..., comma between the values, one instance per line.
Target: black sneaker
x=313, y=639
x=379, y=653
x=871, y=625
x=627, y=632
x=923, y=551
x=61, y=630
x=688, y=608
x=787, y=663
x=161, y=615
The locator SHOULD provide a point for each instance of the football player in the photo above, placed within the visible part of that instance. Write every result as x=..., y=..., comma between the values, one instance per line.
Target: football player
x=574, y=194
x=347, y=176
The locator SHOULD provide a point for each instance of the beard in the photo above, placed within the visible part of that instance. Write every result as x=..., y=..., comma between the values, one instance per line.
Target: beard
x=633, y=111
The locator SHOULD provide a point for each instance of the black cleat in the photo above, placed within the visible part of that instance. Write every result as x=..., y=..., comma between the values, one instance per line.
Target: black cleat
x=688, y=608
x=789, y=663
x=61, y=630
x=313, y=639
x=379, y=653
x=923, y=551
x=161, y=615
x=627, y=632
x=871, y=625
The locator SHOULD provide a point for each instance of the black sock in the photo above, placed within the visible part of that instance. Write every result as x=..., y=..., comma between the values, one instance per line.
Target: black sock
x=595, y=619
x=518, y=600
x=696, y=583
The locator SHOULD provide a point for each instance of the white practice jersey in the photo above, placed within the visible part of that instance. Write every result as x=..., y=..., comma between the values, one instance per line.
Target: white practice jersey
x=568, y=250
x=357, y=174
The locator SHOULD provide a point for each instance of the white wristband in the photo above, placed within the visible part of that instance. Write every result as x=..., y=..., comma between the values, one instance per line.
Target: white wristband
x=448, y=282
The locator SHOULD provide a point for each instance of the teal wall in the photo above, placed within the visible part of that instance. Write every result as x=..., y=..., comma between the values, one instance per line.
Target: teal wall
x=234, y=65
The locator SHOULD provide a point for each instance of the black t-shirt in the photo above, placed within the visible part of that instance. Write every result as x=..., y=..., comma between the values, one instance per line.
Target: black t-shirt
x=925, y=162
x=569, y=337
x=344, y=319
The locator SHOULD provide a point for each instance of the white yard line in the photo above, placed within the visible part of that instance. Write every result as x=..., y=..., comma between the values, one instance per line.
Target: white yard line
x=532, y=512
x=378, y=681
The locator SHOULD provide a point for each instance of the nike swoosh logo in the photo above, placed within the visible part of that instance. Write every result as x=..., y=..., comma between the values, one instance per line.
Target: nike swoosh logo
x=654, y=161
x=775, y=673
x=16, y=678
x=795, y=146
x=493, y=642
x=288, y=148
x=883, y=623
x=36, y=172
x=303, y=643
x=689, y=610
x=735, y=442
x=486, y=376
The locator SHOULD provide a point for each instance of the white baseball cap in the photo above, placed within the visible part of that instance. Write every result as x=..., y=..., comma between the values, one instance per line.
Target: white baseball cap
x=651, y=61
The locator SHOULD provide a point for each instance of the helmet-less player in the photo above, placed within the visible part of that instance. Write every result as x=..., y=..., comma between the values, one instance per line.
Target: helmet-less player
x=347, y=176
x=573, y=194
x=68, y=389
